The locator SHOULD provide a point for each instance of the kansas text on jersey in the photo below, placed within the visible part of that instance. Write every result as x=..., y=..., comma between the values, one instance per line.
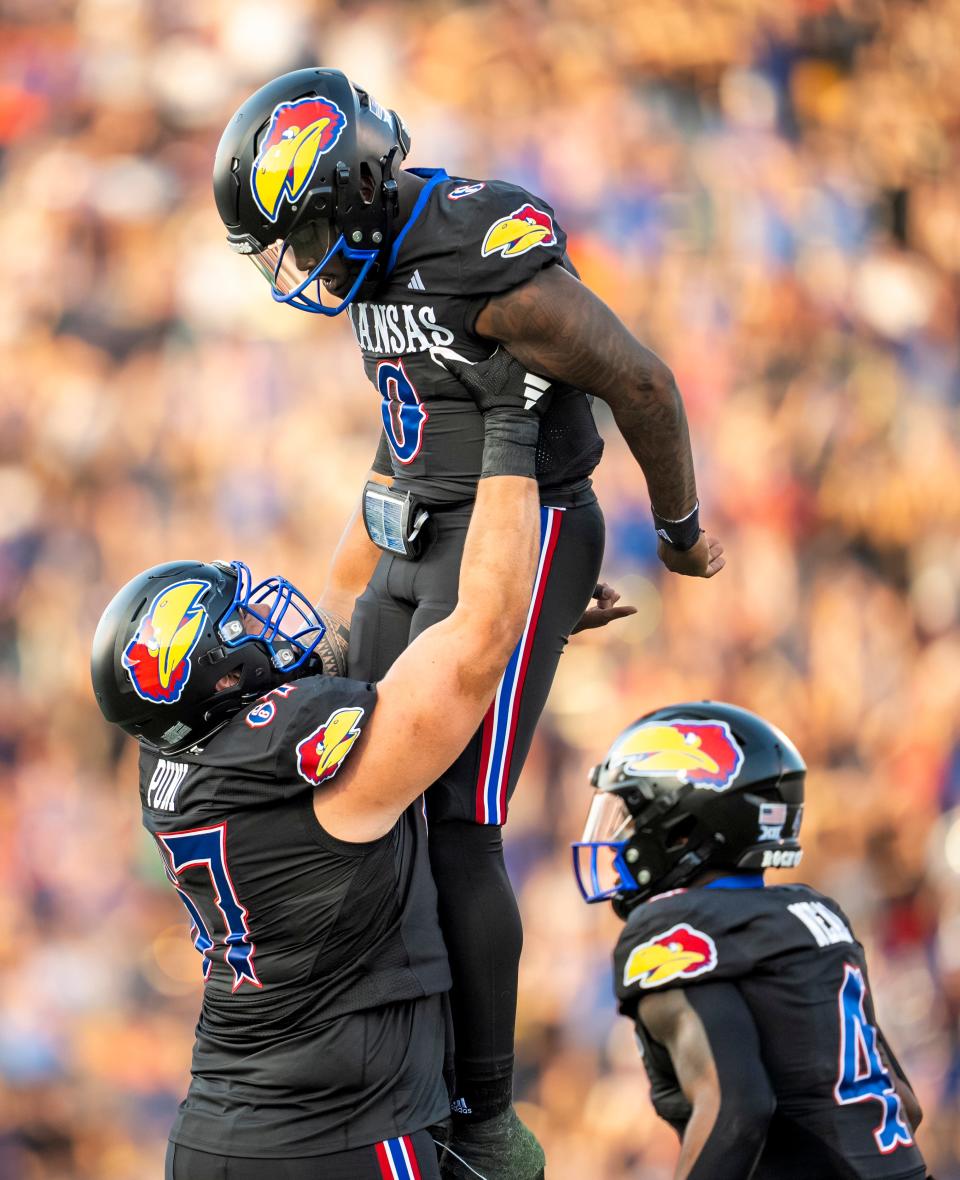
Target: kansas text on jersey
x=463, y=243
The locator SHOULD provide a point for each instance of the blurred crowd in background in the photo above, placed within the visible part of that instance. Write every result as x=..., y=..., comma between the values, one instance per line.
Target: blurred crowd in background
x=767, y=192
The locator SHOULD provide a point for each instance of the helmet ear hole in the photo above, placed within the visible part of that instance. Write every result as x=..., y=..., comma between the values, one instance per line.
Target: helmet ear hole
x=368, y=186
x=677, y=833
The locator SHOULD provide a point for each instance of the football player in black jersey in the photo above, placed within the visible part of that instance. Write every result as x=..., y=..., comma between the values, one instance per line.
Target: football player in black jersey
x=751, y=1002
x=430, y=267
x=284, y=804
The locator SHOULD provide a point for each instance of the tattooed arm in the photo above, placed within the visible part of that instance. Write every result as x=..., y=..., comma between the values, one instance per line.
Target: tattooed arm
x=557, y=326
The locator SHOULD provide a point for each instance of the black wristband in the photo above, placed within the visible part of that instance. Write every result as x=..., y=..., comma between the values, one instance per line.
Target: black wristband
x=679, y=534
x=510, y=443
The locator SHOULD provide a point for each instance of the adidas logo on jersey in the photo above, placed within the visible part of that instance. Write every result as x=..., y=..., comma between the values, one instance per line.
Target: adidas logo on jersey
x=416, y=283
x=534, y=387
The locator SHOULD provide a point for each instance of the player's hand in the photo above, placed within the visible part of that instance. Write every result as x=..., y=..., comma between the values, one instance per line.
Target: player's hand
x=702, y=561
x=605, y=611
x=498, y=383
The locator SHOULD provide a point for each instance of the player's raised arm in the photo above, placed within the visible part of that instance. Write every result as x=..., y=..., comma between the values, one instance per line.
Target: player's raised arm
x=715, y=1050
x=435, y=695
x=555, y=325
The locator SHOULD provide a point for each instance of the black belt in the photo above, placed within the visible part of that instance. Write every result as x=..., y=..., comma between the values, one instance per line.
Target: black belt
x=394, y=520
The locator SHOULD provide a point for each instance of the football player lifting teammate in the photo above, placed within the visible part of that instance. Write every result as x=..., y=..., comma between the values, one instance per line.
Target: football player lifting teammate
x=284, y=804
x=434, y=273
x=751, y=1002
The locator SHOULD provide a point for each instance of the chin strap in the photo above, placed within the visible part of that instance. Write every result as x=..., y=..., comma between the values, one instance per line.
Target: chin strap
x=390, y=200
x=389, y=187
x=686, y=867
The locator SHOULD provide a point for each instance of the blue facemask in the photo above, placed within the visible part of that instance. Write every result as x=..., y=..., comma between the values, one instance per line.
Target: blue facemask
x=588, y=870
x=296, y=295
x=290, y=640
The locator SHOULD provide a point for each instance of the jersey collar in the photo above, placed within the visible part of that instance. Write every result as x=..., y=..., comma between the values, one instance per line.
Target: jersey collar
x=740, y=881
x=433, y=177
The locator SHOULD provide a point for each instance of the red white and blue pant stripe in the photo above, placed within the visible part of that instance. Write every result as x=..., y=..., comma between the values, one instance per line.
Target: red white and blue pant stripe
x=500, y=723
x=397, y=1159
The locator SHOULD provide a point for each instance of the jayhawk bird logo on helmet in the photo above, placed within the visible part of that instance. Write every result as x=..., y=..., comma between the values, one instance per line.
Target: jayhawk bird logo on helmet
x=158, y=656
x=299, y=134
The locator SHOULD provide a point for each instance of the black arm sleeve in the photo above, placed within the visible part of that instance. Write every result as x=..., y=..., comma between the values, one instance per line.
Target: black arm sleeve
x=382, y=463
x=747, y=1100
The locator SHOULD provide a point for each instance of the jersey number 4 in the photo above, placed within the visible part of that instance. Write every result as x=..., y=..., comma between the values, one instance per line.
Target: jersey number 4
x=206, y=848
x=404, y=414
x=862, y=1077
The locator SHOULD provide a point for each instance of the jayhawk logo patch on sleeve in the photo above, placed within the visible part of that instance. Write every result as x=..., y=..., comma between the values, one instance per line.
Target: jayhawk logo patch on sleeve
x=679, y=953
x=519, y=232
x=321, y=755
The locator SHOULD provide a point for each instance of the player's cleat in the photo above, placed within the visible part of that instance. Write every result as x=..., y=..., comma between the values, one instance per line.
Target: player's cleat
x=501, y=1148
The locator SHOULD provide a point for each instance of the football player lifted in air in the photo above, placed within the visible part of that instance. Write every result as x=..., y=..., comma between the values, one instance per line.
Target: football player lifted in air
x=751, y=1002
x=434, y=273
x=282, y=801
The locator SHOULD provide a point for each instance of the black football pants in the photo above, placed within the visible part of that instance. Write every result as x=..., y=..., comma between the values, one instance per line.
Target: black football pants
x=468, y=804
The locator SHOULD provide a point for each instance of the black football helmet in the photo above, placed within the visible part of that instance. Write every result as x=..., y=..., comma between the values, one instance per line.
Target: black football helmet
x=172, y=632
x=688, y=788
x=290, y=171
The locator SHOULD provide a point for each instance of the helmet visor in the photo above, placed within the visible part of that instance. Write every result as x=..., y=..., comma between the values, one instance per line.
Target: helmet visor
x=279, y=268
x=608, y=819
x=287, y=264
x=598, y=864
x=304, y=260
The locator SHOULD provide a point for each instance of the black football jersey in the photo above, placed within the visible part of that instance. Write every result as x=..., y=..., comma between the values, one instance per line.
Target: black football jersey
x=464, y=242
x=791, y=953
x=317, y=954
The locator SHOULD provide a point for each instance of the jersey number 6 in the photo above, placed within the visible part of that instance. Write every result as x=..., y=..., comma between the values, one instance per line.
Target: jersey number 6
x=404, y=414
